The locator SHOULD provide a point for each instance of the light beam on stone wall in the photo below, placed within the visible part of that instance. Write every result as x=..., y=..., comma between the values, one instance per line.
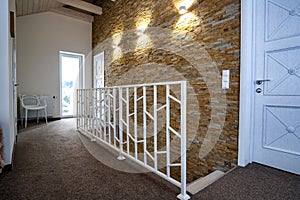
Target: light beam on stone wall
x=143, y=41
x=116, y=39
x=187, y=22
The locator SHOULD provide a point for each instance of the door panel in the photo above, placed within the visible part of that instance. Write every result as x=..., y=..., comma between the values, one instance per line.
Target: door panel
x=282, y=129
x=281, y=16
x=283, y=69
x=277, y=99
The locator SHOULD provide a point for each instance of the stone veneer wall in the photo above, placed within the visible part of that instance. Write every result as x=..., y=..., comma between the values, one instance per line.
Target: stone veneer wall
x=148, y=41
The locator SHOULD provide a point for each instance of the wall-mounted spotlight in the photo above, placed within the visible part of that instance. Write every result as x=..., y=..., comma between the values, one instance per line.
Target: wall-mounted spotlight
x=182, y=10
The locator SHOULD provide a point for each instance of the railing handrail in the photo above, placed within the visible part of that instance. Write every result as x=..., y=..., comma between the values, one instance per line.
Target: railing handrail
x=137, y=85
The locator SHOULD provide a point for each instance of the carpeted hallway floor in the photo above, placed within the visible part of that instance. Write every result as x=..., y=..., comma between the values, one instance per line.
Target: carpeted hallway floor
x=52, y=163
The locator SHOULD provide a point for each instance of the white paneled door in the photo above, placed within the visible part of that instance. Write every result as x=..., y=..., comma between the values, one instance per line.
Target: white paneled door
x=277, y=86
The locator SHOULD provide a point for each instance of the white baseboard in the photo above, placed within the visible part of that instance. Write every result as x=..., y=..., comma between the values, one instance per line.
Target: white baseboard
x=203, y=182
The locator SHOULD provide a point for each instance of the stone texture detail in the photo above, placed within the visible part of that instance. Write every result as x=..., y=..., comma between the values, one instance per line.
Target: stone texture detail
x=148, y=41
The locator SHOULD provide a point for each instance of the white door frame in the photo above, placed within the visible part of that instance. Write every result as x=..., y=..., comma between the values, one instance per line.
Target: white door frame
x=246, y=122
x=101, y=56
x=15, y=86
x=81, y=74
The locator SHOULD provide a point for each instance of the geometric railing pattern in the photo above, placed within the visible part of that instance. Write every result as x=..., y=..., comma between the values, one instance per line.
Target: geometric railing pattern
x=145, y=123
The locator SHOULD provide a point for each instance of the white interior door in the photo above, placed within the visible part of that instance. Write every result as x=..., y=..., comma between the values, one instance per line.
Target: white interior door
x=277, y=85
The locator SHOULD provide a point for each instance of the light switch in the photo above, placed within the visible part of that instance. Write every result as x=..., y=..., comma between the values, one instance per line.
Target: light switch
x=225, y=79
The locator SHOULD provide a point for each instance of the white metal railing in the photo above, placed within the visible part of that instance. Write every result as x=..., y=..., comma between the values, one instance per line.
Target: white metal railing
x=127, y=117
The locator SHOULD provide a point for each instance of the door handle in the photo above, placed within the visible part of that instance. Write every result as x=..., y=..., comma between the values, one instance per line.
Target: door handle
x=259, y=82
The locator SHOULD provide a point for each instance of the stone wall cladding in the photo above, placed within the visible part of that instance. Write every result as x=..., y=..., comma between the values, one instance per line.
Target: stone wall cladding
x=195, y=47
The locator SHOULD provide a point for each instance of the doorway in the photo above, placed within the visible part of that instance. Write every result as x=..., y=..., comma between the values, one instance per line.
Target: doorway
x=99, y=82
x=99, y=70
x=270, y=78
x=71, y=79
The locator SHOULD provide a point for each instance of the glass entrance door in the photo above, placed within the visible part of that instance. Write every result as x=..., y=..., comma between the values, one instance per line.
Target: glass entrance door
x=71, y=80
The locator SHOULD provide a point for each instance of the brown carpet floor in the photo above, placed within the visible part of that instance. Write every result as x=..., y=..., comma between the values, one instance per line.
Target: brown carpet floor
x=52, y=163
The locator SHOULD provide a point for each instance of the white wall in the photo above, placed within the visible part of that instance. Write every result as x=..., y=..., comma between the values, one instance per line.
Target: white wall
x=6, y=85
x=40, y=38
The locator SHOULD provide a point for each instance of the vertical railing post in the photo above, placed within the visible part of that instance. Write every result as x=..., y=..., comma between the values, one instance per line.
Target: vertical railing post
x=81, y=112
x=85, y=110
x=100, y=114
x=77, y=105
x=86, y=114
x=114, y=115
x=167, y=129
x=127, y=121
x=97, y=109
x=92, y=112
x=104, y=114
x=183, y=195
x=88, y=110
x=80, y=107
x=120, y=157
x=108, y=115
x=145, y=123
x=155, y=125
x=135, y=124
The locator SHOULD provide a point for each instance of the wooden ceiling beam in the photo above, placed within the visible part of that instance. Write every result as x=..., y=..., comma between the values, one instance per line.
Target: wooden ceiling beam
x=73, y=14
x=83, y=6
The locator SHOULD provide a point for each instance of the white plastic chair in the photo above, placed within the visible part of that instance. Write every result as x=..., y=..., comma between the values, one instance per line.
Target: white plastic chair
x=32, y=102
